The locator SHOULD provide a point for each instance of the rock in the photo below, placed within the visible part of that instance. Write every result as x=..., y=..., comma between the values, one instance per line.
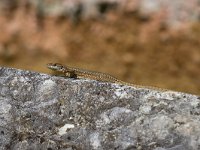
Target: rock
x=39, y=111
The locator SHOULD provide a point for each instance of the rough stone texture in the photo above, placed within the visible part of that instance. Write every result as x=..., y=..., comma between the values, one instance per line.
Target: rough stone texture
x=39, y=111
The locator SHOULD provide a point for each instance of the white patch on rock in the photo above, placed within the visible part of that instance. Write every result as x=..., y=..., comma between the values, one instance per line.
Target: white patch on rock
x=195, y=102
x=122, y=93
x=5, y=116
x=95, y=141
x=160, y=125
x=145, y=109
x=4, y=107
x=47, y=85
x=47, y=93
x=64, y=129
x=113, y=114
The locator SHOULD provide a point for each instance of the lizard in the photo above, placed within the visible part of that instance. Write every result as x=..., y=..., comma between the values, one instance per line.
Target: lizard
x=72, y=72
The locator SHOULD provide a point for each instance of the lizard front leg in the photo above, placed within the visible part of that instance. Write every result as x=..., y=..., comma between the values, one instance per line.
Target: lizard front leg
x=71, y=74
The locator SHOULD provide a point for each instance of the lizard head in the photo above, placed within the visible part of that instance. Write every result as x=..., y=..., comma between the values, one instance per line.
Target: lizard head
x=56, y=66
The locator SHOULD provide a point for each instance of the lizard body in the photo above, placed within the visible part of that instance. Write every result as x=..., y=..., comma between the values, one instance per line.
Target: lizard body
x=82, y=73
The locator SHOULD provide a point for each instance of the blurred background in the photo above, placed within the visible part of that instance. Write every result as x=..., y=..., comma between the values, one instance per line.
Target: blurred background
x=147, y=42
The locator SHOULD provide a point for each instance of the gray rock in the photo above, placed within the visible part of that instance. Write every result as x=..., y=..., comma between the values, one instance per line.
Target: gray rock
x=39, y=111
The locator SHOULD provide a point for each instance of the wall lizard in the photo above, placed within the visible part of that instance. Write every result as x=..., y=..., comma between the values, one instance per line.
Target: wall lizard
x=82, y=73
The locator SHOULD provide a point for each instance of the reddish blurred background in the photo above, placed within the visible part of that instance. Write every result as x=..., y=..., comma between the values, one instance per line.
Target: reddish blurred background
x=147, y=42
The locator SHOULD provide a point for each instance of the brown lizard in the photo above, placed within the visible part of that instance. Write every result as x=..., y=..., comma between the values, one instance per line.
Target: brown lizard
x=81, y=73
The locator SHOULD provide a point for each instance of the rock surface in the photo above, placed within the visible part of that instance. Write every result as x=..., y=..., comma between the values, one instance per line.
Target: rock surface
x=39, y=111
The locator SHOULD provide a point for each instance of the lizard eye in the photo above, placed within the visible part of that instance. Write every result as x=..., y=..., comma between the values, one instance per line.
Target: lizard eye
x=59, y=66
